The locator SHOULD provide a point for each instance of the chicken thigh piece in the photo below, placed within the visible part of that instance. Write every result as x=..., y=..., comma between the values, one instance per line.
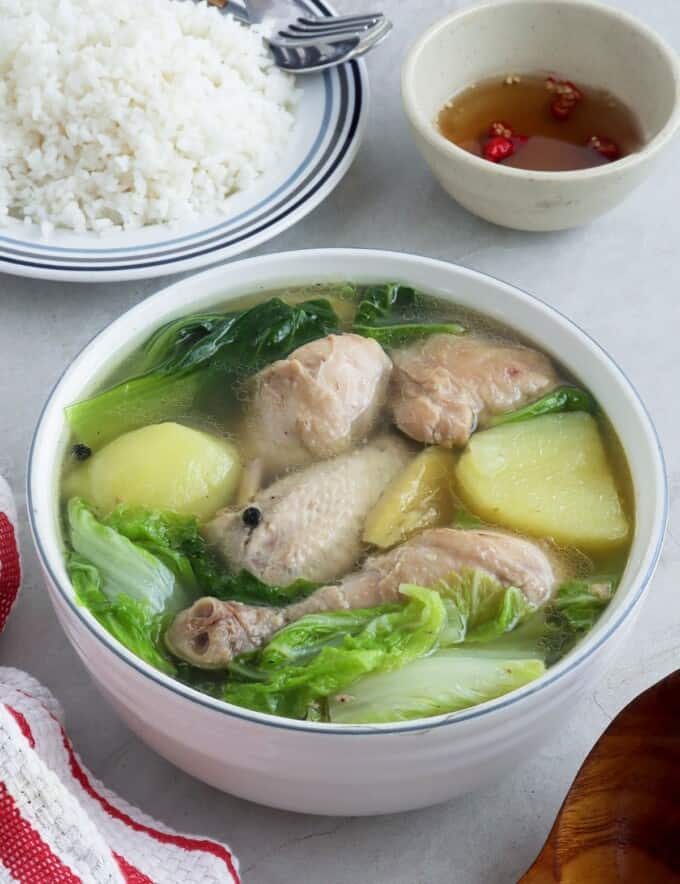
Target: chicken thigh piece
x=212, y=632
x=321, y=400
x=434, y=554
x=444, y=386
x=309, y=523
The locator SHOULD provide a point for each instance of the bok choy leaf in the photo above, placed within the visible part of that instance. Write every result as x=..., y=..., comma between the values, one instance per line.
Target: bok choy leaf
x=562, y=399
x=388, y=314
x=444, y=682
x=479, y=608
x=185, y=356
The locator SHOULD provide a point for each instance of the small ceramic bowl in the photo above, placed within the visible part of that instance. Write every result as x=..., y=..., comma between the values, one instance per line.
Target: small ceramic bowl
x=346, y=769
x=583, y=41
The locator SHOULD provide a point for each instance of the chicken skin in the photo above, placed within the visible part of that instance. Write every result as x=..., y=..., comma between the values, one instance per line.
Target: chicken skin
x=309, y=523
x=445, y=386
x=319, y=402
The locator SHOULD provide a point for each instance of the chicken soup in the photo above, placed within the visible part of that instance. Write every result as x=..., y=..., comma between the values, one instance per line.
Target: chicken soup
x=348, y=504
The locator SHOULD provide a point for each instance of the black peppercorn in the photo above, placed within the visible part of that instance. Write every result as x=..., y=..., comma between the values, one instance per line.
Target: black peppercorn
x=252, y=516
x=80, y=451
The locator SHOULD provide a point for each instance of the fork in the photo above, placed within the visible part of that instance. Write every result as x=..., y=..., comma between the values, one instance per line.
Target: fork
x=306, y=43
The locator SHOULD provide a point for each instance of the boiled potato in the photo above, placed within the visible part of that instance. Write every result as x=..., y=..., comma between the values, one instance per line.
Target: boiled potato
x=420, y=497
x=165, y=466
x=548, y=476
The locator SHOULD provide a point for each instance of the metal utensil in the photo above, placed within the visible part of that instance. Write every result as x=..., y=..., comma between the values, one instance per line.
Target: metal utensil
x=303, y=43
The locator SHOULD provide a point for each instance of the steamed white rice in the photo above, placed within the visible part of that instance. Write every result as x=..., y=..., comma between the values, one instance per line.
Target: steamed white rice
x=123, y=113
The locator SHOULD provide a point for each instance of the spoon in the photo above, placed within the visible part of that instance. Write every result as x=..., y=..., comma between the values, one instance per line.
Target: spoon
x=620, y=821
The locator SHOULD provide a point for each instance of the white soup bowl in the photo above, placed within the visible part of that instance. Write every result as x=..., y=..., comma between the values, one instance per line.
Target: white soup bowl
x=325, y=768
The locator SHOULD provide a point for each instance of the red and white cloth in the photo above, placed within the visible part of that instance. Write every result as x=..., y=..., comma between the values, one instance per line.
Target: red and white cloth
x=58, y=824
x=10, y=567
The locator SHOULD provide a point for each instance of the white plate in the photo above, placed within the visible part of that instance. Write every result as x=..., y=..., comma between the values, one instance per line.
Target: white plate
x=330, y=122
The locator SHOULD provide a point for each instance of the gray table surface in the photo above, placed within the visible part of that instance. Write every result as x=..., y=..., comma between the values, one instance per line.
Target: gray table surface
x=618, y=278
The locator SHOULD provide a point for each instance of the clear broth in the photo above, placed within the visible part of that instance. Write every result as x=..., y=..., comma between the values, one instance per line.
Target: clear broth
x=211, y=413
x=524, y=103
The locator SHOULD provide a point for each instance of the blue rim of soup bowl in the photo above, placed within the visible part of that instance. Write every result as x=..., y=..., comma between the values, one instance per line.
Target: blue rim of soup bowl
x=572, y=661
x=428, y=130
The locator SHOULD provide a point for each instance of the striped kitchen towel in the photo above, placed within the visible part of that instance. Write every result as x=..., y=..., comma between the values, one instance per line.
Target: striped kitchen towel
x=10, y=567
x=58, y=824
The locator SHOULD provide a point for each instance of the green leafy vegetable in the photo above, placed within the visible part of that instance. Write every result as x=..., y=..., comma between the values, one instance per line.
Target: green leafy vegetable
x=240, y=343
x=479, y=608
x=488, y=640
x=553, y=630
x=385, y=302
x=131, y=621
x=580, y=602
x=467, y=640
x=387, y=313
x=387, y=641
x=172, y=342
x=185, y=356
x=171, y=537
x=204, y=680
x=402, y=333
x=561, y=399
x=242, y=586
x=124, y=567
x=575, y=610
x=443, y=682
x=305, y=639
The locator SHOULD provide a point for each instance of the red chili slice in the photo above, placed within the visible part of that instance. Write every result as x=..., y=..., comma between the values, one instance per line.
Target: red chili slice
x=606, y=147
x=567, y=96
x=498, y=148
x=561, y=110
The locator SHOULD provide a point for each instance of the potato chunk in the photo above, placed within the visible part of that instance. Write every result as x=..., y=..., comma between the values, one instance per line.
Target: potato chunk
x=548, y=477
x=420, y=497
x=168, y=466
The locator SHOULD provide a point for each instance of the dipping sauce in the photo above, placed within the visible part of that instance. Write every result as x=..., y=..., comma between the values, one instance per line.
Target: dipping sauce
x=540, y=122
